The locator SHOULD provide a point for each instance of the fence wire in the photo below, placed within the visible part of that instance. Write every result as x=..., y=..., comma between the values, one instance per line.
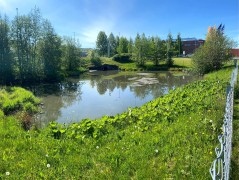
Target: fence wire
x=220, y=168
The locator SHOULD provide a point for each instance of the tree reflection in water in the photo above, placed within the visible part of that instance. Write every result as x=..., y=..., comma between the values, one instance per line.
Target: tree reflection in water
x=103, y=93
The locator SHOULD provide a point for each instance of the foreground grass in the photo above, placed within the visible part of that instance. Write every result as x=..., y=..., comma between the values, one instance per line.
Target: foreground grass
x=235, y=143
x=171, y=137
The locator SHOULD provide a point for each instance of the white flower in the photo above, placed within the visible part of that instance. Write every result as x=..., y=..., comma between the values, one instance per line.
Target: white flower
x=7, y=173
x=156, y=150
x=97, y=147
x=48, y=165
x=47, y=155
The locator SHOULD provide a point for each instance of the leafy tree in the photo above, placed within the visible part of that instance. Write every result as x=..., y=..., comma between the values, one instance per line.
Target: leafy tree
x=6, y=60
x=123, y=45
x=117, y=39
x=141, y=49
x=130, y=46
x=178, y=45
x=102, y=43
x=71, y=54
x=214, y=52
x=95, y=59
x=169, y=60
x=50, y=52
x=26, y=33
x=138, y=49
x=156, y=50
x=112, y=45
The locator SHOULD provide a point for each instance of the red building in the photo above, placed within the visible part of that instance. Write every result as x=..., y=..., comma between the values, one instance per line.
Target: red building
x=235, y=52
x=189, y=45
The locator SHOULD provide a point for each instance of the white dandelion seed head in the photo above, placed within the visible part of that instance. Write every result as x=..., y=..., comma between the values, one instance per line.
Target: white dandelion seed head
x=156, y=150
x=7, y=173
x=48, y=165
x=97, y=147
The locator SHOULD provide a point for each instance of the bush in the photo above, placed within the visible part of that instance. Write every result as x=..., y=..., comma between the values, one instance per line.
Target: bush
x=96, y=61
x=123, y=58
x=215, y=51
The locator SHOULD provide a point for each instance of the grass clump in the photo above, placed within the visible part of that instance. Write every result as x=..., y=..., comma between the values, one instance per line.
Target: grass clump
x=20, y=102
x=13, y=99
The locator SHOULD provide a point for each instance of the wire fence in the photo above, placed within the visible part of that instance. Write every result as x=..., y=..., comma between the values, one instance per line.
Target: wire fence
x=220, y=168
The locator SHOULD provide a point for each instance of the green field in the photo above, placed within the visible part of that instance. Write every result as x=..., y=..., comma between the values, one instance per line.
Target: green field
x=179, y=64
x=170, y=137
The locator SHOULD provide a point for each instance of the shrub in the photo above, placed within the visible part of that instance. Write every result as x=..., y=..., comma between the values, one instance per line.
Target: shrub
x=123, y=58
x=96, y=61
x=213, y=53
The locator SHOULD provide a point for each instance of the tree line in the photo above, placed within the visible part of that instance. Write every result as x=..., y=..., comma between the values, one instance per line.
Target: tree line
x=142, y=48
x=31, y=50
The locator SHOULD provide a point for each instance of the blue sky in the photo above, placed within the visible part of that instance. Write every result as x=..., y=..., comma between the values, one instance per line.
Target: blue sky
x=85, y=18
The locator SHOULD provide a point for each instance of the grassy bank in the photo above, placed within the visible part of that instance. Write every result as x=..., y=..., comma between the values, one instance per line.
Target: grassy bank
x=171, y=137
x=179, y=64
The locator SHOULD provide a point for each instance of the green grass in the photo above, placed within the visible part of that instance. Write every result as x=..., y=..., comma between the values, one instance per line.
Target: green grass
x=183, y=62
x=235, y=136
x=179, y=65
x=172, y=137
x=235, y=143
x=18, y=101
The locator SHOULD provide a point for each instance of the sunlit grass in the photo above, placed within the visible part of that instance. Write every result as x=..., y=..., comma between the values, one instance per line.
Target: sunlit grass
x=179, y=63
x=183, y=62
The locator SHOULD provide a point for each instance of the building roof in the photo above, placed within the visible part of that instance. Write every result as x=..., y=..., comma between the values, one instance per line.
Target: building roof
x=189, y=39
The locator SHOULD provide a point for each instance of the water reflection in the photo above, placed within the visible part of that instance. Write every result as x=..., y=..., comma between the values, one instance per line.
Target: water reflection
x=97, y=93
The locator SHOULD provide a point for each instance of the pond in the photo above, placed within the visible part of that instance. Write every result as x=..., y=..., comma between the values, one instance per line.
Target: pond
x=100, y=93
